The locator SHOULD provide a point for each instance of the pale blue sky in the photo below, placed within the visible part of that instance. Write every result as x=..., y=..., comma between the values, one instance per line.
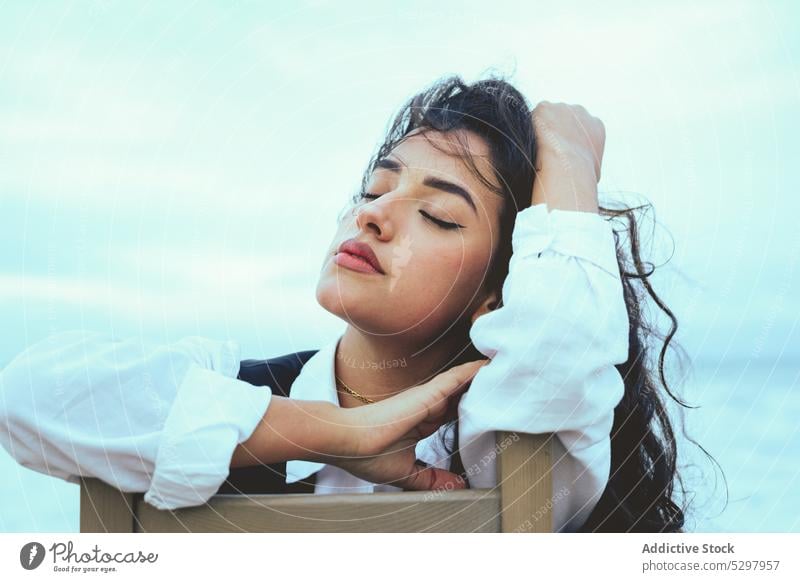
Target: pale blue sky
x=176, y=168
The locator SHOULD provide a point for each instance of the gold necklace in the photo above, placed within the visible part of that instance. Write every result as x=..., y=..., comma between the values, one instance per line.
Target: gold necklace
x=352, y=392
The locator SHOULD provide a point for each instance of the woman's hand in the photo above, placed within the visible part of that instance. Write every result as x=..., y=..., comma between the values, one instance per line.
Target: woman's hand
x=375, y=442
x=379, y=439
x=569, y=154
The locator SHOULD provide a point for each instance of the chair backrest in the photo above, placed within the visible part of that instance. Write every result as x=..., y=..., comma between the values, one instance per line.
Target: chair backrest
x=522, y=502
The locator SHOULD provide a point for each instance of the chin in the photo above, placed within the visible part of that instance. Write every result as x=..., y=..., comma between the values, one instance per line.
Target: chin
x=340, y=300
x=364, y=313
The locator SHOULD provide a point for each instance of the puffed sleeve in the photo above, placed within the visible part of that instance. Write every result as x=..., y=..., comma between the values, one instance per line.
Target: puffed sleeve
x=554, y=344
x=143, y=417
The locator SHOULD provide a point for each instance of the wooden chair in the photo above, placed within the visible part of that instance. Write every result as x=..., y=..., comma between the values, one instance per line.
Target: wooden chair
x=521, y=503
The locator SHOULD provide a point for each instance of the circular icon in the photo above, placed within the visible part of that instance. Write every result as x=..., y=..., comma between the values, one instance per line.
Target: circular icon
x=31, y=555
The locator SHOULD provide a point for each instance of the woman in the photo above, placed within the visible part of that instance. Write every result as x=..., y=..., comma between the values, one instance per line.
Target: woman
x=450, y=252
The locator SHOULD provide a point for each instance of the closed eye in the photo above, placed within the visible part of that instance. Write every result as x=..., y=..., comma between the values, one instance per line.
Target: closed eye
x=443, y=223
x=438, y=222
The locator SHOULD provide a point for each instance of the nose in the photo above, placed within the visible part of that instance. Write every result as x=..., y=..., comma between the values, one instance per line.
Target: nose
x=375, y=216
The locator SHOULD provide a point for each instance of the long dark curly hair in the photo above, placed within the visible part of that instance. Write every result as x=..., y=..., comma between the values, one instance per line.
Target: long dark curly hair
x=639, y=496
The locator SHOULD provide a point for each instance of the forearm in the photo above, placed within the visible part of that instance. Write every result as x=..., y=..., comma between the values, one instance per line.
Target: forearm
x=292, y=429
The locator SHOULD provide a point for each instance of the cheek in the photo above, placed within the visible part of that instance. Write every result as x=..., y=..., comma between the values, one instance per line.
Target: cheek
x=466, y=276
x=428, y=286
x=439, y=284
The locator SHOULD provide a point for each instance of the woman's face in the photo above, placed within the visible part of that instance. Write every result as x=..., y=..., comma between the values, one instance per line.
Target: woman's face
x=432, y=271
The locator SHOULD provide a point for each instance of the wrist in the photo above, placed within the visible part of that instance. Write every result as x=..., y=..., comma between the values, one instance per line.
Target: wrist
x=562, y=161
x=565, y=181
x=327, y=433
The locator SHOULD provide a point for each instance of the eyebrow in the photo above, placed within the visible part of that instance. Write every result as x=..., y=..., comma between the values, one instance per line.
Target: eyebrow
x=396, y=167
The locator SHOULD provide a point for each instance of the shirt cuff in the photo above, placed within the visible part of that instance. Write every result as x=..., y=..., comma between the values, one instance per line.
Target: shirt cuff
x=211, y=414
x=585, y=235
x=297, y=469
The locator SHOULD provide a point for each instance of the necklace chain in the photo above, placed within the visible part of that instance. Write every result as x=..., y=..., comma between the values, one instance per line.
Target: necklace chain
x=352, y=392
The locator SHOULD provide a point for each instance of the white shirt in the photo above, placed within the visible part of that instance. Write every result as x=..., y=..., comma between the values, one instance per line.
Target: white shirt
x=165, y=419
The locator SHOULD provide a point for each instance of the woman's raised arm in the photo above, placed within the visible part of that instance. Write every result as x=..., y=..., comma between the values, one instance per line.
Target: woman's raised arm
x=561, y=329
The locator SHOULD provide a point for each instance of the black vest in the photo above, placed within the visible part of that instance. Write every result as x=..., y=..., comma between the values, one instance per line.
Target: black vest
x=279, y=375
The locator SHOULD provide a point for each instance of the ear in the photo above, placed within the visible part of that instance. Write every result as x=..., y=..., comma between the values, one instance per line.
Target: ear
x=490, y=303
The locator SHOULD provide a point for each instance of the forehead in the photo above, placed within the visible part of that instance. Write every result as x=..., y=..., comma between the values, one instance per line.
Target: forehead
x=441, y=154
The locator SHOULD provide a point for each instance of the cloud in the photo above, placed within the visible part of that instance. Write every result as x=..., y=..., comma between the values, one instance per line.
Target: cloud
x=217, y=269
x=213, y=304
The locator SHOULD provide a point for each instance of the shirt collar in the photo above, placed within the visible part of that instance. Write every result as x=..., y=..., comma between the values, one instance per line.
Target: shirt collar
x=317, y=381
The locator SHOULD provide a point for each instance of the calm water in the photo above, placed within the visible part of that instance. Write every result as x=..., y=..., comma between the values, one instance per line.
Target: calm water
x=748, y=421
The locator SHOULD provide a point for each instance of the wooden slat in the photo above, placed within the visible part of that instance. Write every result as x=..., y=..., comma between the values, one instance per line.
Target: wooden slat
x=105, y=509
x=524, y=474
x=417, y=511
x=521, y=503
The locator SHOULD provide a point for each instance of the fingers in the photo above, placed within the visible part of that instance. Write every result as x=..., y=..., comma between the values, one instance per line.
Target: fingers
x=437, y=395
x=551, y=119
x=431, y=400
x=416, y=411
x=432, y=424
x=601, y=148
x=431, y=479
x=423, y=430
x=565, y=131
x=457, y=379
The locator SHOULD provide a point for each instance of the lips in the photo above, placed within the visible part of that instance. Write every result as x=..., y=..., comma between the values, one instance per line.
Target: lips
x=363, y=251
